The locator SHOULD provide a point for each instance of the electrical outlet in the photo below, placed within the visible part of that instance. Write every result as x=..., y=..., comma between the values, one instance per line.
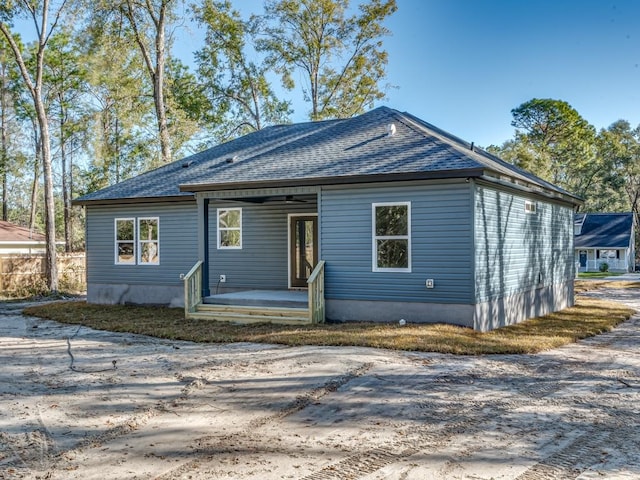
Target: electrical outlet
x=429, y=283
x=223, y=278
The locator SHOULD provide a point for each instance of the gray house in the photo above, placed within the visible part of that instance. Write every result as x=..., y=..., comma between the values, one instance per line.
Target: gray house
x=379, y=217
x=604, y=238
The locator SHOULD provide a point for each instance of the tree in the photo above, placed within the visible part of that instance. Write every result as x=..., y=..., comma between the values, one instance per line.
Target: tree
x=554, y=142
x=120, y=104
x=235, y=86
x=45, y=19
x=619, y=147
x=10, y=91
x=340, y=57
x=65, y=79
x=148, y=21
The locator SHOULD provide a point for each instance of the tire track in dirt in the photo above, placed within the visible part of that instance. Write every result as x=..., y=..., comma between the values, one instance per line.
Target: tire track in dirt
x=43, y=456
x=207, y=444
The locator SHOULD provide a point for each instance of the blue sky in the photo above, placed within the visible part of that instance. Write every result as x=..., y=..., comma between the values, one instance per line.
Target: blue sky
x=462, y=65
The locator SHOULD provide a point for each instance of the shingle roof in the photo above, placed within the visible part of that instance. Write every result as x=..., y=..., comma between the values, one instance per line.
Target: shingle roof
x=604, y=230
x=323, y=152
x=10, y=232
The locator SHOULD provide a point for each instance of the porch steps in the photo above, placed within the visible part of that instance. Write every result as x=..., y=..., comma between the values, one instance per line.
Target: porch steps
x=246, y=314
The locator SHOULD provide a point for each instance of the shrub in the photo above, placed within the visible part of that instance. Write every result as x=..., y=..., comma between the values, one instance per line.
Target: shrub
x=604, y=267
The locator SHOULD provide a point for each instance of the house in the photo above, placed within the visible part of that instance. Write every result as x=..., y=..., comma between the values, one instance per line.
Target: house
x=379, y=217
x=16, y=240
x=604, y=238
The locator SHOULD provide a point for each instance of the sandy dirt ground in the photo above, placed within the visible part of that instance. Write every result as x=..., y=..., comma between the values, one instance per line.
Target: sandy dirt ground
x=178, y=410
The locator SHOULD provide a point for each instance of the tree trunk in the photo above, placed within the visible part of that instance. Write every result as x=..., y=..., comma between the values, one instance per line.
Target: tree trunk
x=158, y=89
x=65, y=184
x=4, y=140
x=49, y=205
x=36, y=176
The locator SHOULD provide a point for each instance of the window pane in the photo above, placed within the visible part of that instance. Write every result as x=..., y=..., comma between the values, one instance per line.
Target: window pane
x=125, y=252
x=125, y=229
x=229, y=219
x=148, y=229
x=392, y=220
x=229, y=238
x=149, y=252
x=393, y=253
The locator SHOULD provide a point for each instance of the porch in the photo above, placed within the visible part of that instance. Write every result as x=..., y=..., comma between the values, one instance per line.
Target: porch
x=289, y=307
x=591, y=259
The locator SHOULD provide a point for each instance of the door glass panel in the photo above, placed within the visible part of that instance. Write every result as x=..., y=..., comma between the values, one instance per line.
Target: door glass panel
x=304, y=250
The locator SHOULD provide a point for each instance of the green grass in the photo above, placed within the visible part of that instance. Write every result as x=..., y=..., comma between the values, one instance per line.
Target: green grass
x=589, y=317
x=598, y=274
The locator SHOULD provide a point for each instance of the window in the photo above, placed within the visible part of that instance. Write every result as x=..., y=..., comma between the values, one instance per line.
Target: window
x=229, y=228
x=137, y=243
x=609, y=254
x=391, y=237
x=530, y=207
x=149, y=246
x=125, y=234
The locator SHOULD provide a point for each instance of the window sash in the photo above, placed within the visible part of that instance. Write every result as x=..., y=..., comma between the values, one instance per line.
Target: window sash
x=149, y=247
x=391, y=245
x=125, y=247
x=229, y=223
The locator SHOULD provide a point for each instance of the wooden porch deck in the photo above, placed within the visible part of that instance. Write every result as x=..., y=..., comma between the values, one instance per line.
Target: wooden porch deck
x=290, y=307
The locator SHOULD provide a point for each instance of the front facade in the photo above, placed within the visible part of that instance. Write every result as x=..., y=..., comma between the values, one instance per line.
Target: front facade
x=604, y=242
x=413, y=225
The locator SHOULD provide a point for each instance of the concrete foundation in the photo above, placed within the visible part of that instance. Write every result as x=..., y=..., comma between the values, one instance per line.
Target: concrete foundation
x=413, y=312
x=113, y=294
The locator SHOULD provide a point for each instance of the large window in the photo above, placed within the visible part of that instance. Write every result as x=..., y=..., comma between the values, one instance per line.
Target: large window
x=137, y=242
x=148, y=241
x=125, y=233
x=229, y=228
x=392, y=237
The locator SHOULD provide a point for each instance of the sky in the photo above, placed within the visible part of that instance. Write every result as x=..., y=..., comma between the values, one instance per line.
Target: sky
x=463, y=65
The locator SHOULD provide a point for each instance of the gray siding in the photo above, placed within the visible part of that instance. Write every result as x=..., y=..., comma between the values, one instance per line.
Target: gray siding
x=517, y=251
x=178, y=244
x=262, y=263
x=441, y=239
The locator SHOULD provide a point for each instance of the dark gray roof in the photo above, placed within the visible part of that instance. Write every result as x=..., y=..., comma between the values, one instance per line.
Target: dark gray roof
x=335, y=151
x=604, y=230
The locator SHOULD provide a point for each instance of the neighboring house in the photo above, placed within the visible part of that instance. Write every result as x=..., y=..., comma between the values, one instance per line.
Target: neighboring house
x=19, y=240
x=604, y=238
x=409, y=221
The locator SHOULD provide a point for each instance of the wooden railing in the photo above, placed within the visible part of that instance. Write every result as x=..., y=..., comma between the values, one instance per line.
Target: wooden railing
x=316, y=294
x=192, y=289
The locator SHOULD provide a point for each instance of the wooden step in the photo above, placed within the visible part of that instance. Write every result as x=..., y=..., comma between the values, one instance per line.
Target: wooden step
x=252, y=310
x=245, y=314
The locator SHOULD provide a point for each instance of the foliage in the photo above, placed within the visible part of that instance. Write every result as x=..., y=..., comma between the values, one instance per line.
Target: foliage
x=604, y=267
x=237, y=90
x=340, y=57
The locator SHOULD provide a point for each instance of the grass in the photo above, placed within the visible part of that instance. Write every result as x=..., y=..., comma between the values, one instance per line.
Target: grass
x=598, y=274
x=589, y=317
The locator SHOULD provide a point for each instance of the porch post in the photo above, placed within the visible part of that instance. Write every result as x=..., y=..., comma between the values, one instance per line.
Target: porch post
x=203, y=243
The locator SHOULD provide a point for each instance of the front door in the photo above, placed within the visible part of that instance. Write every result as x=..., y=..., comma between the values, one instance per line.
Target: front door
x=583, y=259
x=303, y=248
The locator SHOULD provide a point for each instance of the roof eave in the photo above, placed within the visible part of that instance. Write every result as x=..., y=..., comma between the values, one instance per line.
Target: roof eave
x=134, y=200
x=338, y=180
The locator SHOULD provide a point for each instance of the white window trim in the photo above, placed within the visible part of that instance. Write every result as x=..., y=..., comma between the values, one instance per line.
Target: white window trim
x=116, y=242
x=374, y=238
x=530, y=207
x=140, y=241
x=218, y=230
